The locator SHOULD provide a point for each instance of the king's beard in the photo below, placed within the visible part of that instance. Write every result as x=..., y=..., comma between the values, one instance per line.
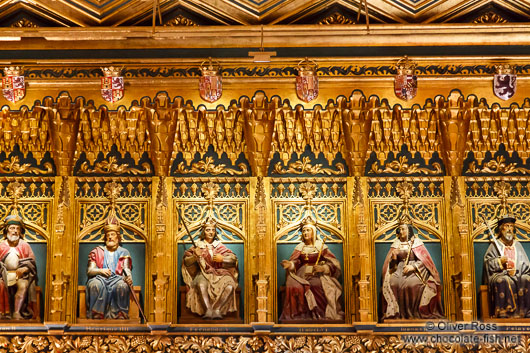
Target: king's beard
x=508, y=237
x=13, y=238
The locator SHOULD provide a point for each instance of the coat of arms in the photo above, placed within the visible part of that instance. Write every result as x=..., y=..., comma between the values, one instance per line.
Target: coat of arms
x=211, y=82
x=307, y=80
x=112, y=86
x=13, y=85
x=504, y=82
x=406, y=82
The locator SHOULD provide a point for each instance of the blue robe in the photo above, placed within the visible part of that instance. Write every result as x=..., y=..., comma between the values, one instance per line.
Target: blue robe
x=509, y=294
x=108, y=297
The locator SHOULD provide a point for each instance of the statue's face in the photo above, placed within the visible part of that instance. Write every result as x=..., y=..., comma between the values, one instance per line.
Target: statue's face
x=307, y=234
x=209, y=233
x=403, y=232
x=112, y=240
x=13, y=233
x=507, y=231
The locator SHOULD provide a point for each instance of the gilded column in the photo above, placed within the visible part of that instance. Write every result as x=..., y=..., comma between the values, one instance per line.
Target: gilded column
x=263, y=311
x=61, y=246
x=360, y=204
x=162, y=250
x=458, y=205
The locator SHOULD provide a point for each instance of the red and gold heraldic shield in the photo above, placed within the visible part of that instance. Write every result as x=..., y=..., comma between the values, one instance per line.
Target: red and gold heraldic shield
x=307, y=86
x=406, y=86
x=112, y=88
x=13, y=88
x=210, y=86
x=307, y=80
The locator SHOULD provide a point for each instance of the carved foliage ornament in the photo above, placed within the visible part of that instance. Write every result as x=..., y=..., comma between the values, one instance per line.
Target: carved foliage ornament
x=24, y=22
x=208, y=166
x=307, y=80
x=308, y=190
x=490, y=17
x=503, y=189
x=113, y=191
x=305, y=167
x=243, y=344
x=336, y=19
x=112, y=85
x=13, y=166
x=180, y=21
x=497, y=165
x=504, y=82
x=406, y=81
x=210, y=190
x=13, y=85
x=15, y=190
x=405, y=190
x=111, y=167
x=401, y=166
x=211, y=82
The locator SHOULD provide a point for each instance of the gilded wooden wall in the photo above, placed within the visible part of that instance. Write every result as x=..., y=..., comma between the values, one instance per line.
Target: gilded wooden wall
x=259, y=159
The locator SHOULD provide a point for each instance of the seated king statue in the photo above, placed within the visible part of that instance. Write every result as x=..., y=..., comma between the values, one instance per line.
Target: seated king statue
x=210, y=271
x=507, y=273
x=109, y=276
x=18, y=273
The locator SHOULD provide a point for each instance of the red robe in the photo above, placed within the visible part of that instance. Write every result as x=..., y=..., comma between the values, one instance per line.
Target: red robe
x=430, y=310
x=218, y=275
x=97, y=255
x=26, y=259
x=312, y=297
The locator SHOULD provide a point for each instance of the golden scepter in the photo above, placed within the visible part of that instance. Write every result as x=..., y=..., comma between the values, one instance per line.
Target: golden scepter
x=322, y=247
x=201, y=267
x=416, y=271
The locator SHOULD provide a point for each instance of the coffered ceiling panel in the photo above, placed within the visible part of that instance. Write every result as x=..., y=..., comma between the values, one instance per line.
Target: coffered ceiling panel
x=86, y=13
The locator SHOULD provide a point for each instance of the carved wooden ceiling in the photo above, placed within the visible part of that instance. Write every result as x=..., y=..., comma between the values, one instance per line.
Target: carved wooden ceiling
x=86, y=13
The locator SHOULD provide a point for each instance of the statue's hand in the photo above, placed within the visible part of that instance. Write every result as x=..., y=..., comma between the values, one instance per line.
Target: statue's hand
x=105, y=272
x=128, y=280
x=407, y=269
x=319, y=269
x=218, y=258
x=504, y=260
x=21, y=272
x=286, y=264
x=197, y=251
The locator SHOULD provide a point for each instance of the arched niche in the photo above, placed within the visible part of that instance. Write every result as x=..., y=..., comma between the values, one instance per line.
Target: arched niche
x=36, y=216
x=431, y=238
x=286, y=240
x=134, y=239
x=37, y=238
x=231, y=236
x=481, y=238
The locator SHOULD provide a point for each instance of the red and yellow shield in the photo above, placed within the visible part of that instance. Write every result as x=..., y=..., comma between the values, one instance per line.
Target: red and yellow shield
x=112, y=84
x=405, y=82
x=307, y=80
x=13, y=85
x=211, y=82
